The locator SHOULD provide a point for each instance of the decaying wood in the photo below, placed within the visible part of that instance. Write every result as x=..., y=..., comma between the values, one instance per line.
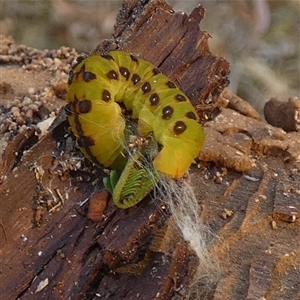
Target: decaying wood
x=285, y=115
x=247, y=181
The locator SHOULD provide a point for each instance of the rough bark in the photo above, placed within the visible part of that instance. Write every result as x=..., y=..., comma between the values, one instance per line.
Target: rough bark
x=247, y=181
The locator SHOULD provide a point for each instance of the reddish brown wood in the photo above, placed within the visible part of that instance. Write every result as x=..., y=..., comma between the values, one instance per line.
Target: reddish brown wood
x=247, y=182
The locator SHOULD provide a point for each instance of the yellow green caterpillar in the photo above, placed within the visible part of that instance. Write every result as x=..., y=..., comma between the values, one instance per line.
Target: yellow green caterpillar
x=105, y=87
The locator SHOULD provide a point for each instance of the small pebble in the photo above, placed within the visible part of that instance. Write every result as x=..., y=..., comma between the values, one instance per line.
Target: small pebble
x=31, y=90
x=15, y=111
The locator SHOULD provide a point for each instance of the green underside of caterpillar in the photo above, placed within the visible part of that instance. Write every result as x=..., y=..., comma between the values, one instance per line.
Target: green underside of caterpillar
x=108, y=94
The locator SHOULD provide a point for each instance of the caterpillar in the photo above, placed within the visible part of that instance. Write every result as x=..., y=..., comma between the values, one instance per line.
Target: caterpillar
x=105, y=87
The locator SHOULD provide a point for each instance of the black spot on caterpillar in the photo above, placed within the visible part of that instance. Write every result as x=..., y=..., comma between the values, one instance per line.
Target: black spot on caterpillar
x=100, y=83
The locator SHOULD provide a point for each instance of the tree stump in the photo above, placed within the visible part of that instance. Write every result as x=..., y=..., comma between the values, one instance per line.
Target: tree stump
x=247, y=181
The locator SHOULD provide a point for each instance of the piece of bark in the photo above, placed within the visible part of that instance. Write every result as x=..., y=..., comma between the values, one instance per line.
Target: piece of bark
x=285, y=115
x=243, y=136
x=49, y=249
x=230, y=100
x=15, y=149
x=260, y=276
